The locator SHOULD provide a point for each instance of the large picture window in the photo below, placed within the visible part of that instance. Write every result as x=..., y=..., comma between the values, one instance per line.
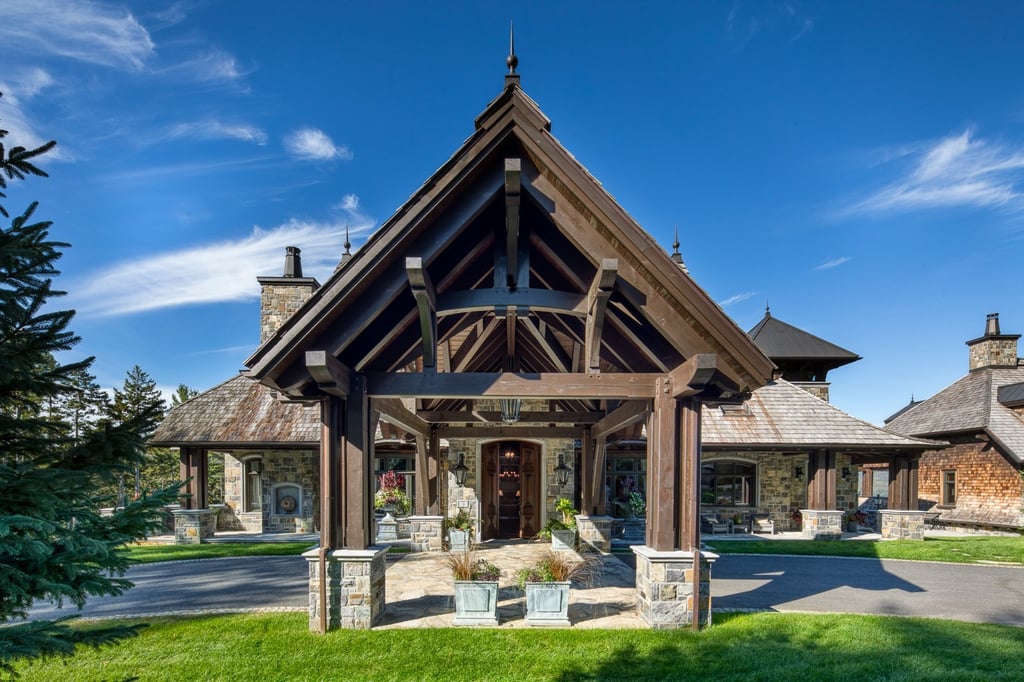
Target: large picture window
x=727, y=483
x=404, y=465
x=626, y=482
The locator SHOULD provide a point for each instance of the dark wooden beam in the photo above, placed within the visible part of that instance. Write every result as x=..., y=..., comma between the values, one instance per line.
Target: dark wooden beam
x=597, y=303
x=394, y=412
x=513, y=169
x=472, y=345
x=469, y=385
x=688, y=441
x=701, y=376
x=662, y=470
x=480, y=416
x=627, y=414
x=356, y=468
x=523, y=298
x=550, y=347
x=330, y=375
x=510, y=432
x=426, y=304
x=511, y=352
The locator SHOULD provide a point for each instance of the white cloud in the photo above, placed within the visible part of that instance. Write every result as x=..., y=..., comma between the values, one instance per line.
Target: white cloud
x=214, y=66
x=22, y=132
x=76, y=29
x=833, y=263
x=212, y=129
x=211, y=273
x=738, y=298
x=961, y=170
x=314, y=145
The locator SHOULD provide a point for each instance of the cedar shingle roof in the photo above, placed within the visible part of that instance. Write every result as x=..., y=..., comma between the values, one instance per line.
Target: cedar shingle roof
x=967, y=405
x=781, y=414
x=239, y=413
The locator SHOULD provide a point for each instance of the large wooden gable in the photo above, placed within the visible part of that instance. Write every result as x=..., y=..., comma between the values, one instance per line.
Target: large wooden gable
x=511, y=258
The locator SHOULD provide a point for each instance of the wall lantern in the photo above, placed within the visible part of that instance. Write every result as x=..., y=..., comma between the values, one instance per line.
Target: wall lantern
x=562, y=472
x=255, y=467
x=510, y=408
x=798, y=473
x=846, y=473
x=460, y=470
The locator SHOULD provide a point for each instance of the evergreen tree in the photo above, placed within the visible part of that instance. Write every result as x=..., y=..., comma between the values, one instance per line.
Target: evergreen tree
x=82, y=404
x=136, y=396
x=182, y=394
x=54, y=543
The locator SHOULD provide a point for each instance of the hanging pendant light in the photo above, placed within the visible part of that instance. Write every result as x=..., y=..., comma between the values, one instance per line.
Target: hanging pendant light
x=510, y=408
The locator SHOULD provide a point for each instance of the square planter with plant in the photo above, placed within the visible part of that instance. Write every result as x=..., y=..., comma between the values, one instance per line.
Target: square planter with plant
x=476, y=589
x=460, y=531
x=547, y=584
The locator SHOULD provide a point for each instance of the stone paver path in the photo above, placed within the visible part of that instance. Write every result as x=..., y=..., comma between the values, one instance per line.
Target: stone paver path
x=420, y=593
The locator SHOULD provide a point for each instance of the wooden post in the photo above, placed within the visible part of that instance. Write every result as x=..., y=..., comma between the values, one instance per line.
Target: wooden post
x=600, y=491
x=903, y=483
x=688, y=520
x=330, y=447
x=587, y=474
x=821, y=480
x=662, y=457
x=422, y=478
x=433, y=471
x=193, y=466
x=357, y=472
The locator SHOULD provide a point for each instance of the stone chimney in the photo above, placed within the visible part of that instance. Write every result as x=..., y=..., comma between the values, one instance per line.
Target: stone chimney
x=281, y=296
x=993, y=349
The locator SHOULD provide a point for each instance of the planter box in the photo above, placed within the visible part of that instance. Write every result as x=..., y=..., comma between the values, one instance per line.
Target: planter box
x=476, y=602
x=547, y=603
x=458, y=539
x=563, y=538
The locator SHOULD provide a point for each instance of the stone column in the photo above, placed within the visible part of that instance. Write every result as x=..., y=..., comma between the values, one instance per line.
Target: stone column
x=820, y=524
x=902, y=524
x=192, y=526
x=595, y=531
x=426, y=533
x=665, y=592
x=354, y=587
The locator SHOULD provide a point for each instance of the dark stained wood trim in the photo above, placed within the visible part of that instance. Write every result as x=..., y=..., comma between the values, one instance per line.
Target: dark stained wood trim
x=523, y=298
x=512, y=188
x=426, y=306
x=597, y=302
x=471, y=347
x=471, y=385
x=330, y=375
x=627, y=414
x=550, y=347
x=492, y=416
x=422, y=478
x=587, y=473
x=688, y=519
x=662, y=462
x=330, y=473
x=394, y=412
x=600, y=491
x=357, y=468
x=510, y=432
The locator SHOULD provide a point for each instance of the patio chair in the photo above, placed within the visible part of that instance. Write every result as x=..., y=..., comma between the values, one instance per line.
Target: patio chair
x=762, y=524
x=709, y=523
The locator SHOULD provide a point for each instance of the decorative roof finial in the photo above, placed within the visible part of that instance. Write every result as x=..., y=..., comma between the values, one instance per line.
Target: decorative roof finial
x=512, y=60
x=767, y=310
x=677, y=257
x=347, y=256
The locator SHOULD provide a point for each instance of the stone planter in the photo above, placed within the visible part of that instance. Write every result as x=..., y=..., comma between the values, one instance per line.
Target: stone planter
x=851, y=527
x=547, y=604
x=476, y=602
x=458, y=539
x=563, y=538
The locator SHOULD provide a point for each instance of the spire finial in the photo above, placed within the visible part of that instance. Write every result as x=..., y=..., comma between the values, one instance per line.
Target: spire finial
x=512, y=61
x=767, y=309
x=348, y=244
x=675, y=244
x=347, y=256
x=677, y=257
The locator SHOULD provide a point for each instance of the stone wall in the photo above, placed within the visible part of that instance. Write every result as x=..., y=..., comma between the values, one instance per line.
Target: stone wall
x=301, y=467
x=994, y=351
x=989, y=490
x=280, y=297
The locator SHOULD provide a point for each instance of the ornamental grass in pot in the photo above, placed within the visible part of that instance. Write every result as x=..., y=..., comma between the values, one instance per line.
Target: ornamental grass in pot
x=547, y=584
x=476, y=588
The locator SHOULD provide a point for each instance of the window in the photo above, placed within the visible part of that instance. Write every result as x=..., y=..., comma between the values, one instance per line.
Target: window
x=252, y=496
x=727, y=483
x=401, y=463
x=948, y=488
x=626, y=483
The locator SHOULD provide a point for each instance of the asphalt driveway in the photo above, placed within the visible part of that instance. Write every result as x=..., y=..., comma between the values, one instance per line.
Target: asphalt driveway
x=983, y=594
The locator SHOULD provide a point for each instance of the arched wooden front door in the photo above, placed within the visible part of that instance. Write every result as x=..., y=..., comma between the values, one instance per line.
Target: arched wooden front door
x=510, y=500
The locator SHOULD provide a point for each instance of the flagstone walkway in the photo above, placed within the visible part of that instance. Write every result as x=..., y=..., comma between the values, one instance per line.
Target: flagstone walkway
x=420, y=594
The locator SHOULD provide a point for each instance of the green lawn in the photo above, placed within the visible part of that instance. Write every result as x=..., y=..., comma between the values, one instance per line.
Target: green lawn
x=145, y=554
x=738, y=647
x=967, y=550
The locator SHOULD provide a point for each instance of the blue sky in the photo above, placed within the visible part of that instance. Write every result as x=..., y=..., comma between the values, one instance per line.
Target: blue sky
x=857, y=166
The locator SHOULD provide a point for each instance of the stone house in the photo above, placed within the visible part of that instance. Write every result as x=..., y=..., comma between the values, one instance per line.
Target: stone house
x=978, y=482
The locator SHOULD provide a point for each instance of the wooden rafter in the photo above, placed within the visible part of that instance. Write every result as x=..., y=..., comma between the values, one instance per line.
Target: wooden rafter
x=597, y=302
x=394, y=412
x=512, y=188
x=330, y=375
x=471, y=385
x=426, y=305
x=510, y=432
x=551, y=349
x=627, y=414
x=485, y=416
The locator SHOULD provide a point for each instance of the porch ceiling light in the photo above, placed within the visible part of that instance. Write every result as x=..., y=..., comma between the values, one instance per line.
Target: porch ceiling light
x=510, y=408
x=460, y=470
x=562, y=472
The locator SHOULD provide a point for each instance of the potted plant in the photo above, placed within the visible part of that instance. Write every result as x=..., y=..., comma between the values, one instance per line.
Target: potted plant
x=562, y=532
x=855, y=519
x=391, y=496
x=547, y=583
x=460, y=531
x=476, y=589
x=797, y=518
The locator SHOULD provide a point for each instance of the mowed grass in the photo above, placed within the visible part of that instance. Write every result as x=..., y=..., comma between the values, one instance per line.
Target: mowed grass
x=968, y=550
x=760, y=646
x=145, y=554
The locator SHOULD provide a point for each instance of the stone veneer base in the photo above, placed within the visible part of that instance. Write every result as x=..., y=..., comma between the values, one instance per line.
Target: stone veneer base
x=595, y=531
x=192, y=526
x=822, y=524
x=901, y=524
x=665, y=591
x=355, y=588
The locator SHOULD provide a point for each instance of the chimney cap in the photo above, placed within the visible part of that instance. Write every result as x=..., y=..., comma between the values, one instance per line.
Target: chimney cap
x=292, y=261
